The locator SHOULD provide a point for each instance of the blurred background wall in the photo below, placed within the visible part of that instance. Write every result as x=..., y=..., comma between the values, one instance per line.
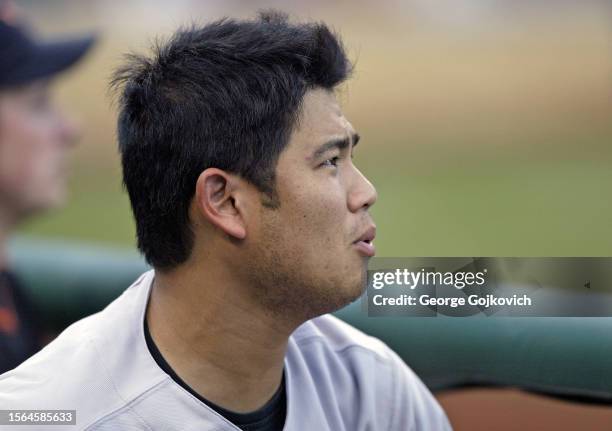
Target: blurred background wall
x=486, y=124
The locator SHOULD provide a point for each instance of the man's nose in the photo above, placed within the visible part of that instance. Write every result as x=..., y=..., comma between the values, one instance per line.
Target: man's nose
x=364, y=193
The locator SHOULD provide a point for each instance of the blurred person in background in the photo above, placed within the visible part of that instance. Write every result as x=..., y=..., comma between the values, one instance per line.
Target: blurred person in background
x=34, y=140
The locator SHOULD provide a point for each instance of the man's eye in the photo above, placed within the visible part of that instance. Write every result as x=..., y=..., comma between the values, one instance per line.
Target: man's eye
x=331, y=162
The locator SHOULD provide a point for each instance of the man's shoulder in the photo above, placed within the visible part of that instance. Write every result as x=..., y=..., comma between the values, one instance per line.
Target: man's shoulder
x=341, y=338
x=327, y=342
x=337, y=356
x=83, y=369
x=61, y=376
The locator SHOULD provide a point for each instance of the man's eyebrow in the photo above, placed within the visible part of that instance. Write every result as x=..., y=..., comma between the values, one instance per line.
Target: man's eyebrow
x=340, y=144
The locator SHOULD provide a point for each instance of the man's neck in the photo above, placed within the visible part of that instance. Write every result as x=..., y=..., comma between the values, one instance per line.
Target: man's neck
x=225, y=348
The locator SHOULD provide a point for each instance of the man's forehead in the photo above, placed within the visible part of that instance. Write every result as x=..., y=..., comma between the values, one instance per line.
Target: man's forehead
x=321, y=119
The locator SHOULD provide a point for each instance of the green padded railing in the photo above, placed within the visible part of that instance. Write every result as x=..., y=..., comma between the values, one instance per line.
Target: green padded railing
x=68, y=281
x=560, y=356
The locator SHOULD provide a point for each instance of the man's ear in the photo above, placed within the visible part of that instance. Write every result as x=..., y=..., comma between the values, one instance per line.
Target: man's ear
x=217, y=197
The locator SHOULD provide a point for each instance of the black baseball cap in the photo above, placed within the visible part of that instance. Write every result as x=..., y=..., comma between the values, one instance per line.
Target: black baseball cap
x=23, y=59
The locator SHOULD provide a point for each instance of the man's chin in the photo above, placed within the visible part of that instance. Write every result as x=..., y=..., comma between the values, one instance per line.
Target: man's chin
x=300, y=298
x=344, y=295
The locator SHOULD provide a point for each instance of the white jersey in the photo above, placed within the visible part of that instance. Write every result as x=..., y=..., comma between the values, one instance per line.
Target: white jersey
x=337, y=378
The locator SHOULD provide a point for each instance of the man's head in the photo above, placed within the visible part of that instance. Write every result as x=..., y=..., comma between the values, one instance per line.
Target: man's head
x=34, y=135
x=235, y=150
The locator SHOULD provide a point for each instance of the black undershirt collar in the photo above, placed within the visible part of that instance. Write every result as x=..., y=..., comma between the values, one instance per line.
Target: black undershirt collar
x=270, y=417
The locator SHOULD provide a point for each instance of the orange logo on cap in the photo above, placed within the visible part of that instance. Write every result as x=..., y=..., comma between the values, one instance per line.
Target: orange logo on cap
x=8, y=321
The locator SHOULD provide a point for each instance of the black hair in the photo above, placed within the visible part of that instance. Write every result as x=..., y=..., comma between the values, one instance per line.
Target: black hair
x=224, y=95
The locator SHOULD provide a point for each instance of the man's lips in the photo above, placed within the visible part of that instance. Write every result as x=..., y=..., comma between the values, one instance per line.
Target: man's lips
x=365, y=243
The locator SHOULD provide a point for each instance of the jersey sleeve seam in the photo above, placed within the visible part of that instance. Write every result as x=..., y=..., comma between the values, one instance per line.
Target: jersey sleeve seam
x=394, y=392
x=341, y=350
x=127, y=407
x=116, y=391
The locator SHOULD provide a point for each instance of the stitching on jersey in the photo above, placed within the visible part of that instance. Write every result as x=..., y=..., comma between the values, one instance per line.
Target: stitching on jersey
x=309, y=339
x=110, y=376
x=127, y=407
x=127, y=404
x=386, y=361
x=394, y=398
